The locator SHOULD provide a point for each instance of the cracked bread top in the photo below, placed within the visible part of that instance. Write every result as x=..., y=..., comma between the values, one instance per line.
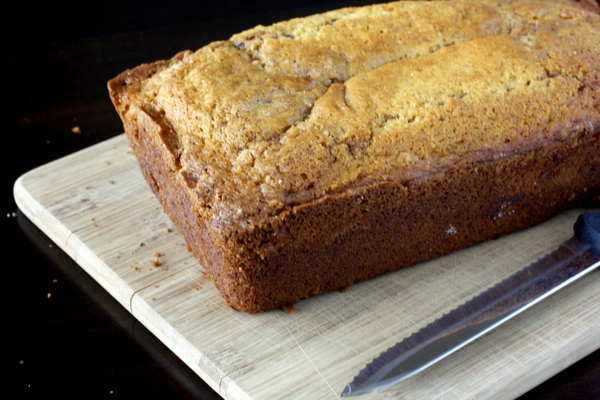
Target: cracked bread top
x=287, y=114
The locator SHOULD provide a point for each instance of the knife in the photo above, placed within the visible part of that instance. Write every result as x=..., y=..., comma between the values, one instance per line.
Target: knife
x=573, y=259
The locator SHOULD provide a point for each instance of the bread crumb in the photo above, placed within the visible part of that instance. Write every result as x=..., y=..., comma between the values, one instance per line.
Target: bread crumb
x=76, y=130
x=49, y=295
x=290, y=308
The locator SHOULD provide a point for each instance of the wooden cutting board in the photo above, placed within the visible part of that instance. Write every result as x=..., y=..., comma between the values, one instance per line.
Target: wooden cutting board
x=95, y=205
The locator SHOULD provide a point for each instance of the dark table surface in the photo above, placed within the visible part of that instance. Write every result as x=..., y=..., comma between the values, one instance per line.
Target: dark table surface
x=67, y=336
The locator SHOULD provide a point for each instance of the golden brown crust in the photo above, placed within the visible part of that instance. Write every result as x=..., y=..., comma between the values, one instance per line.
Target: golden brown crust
x=298, y=158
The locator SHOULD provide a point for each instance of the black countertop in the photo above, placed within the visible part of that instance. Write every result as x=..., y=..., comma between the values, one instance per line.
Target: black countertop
x=68, y=337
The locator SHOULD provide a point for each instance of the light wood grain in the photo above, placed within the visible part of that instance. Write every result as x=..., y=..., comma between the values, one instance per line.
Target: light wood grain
x=95, y=205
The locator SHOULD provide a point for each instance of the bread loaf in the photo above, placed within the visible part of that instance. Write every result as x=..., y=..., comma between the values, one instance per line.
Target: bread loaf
x=305, y=156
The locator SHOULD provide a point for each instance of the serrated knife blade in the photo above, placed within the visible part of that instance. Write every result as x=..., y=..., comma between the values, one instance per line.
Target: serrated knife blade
x=570, y=261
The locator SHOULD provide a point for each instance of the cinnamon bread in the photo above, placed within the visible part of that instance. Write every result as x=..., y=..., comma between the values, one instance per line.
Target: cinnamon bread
x=305, y=156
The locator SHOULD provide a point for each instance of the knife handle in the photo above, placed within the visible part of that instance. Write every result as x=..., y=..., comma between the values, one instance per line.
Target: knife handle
x=587, y=230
